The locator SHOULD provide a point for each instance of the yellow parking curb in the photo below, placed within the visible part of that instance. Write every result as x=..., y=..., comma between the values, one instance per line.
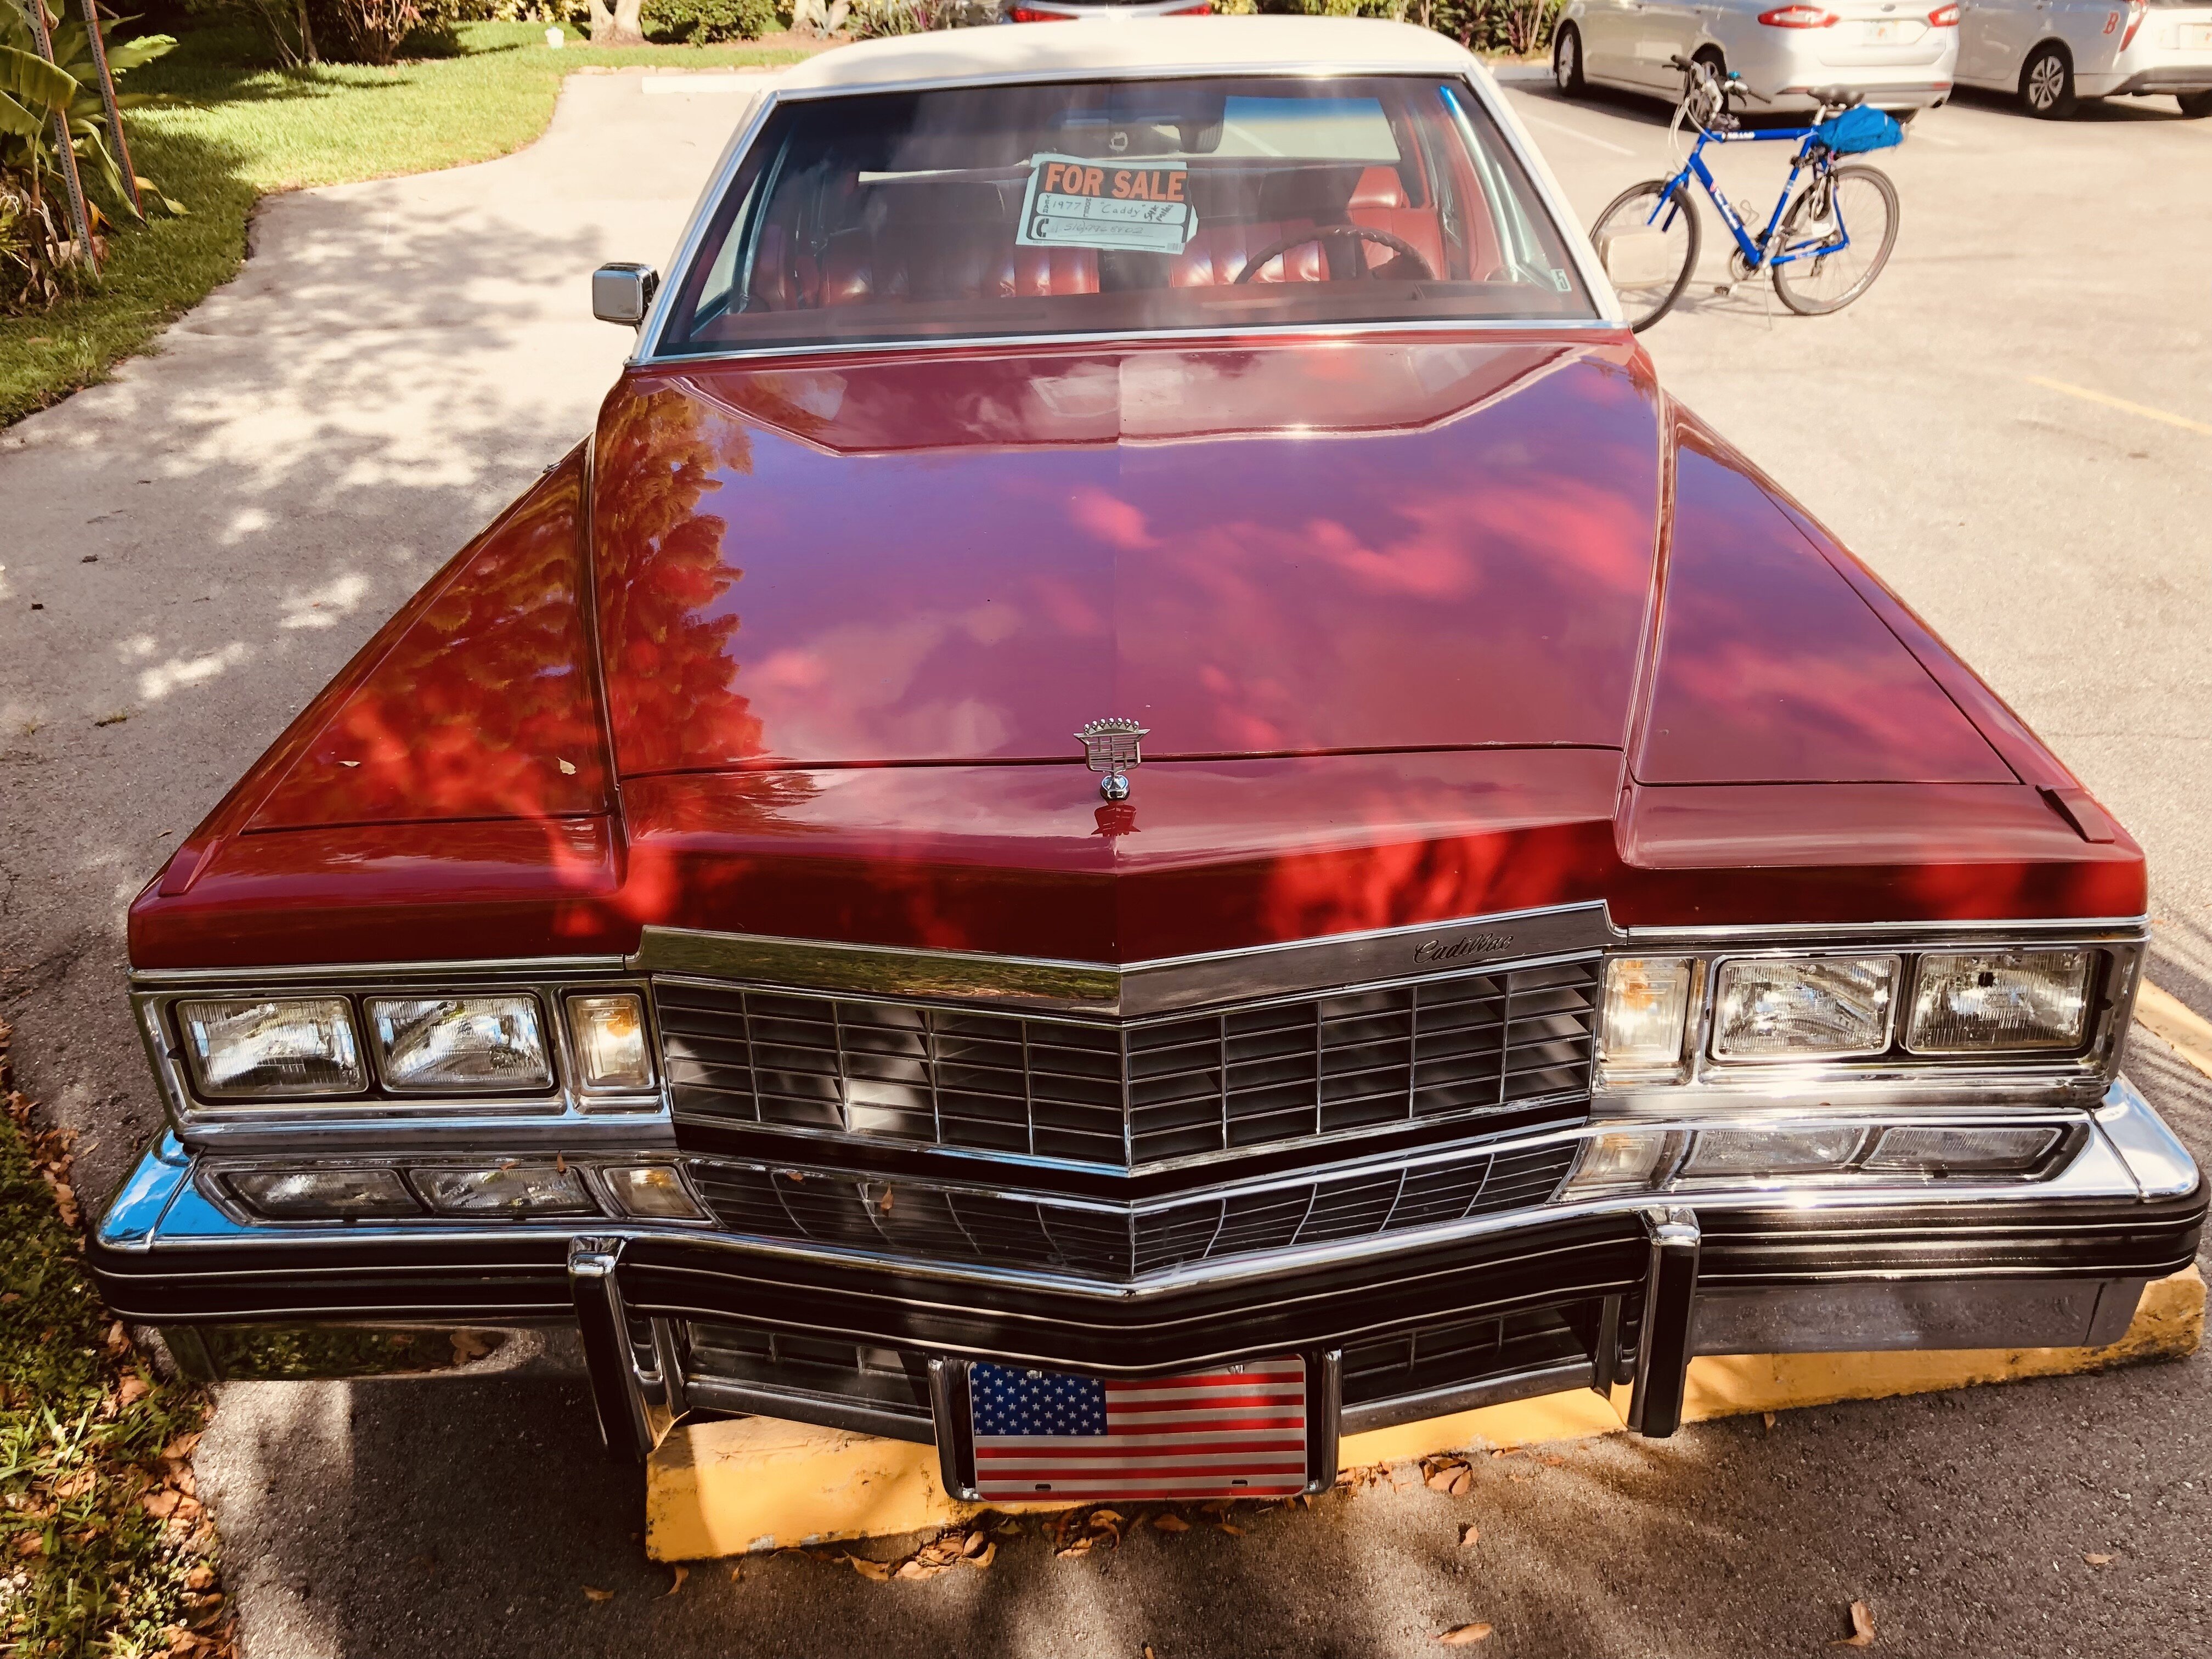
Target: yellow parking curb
x=2175, y=1023
x=728, y=1487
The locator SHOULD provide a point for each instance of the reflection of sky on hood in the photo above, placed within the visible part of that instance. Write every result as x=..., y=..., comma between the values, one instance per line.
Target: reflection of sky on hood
x=1407, y=545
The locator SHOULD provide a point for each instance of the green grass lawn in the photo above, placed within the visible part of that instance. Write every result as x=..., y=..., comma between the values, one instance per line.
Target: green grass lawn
x=247, y=128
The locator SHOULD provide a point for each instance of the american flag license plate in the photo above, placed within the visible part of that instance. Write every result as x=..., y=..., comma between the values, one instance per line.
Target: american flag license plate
x=1231, y=1432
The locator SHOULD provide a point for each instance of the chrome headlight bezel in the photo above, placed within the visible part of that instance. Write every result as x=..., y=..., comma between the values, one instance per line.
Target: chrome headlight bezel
x=563, y=1091
x=2113, y=951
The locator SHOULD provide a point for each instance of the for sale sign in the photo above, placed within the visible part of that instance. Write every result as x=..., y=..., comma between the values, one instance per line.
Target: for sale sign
x=1074, y=203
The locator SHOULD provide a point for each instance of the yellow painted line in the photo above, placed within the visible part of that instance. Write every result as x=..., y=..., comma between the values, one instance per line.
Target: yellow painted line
x=739, y=1485
x=2181, y=1027
x=2123, y=405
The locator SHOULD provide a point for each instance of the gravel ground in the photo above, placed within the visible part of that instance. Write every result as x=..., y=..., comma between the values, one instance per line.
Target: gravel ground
x=211, y=535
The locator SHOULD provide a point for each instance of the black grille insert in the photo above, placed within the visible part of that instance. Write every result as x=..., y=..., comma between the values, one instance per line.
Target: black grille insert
x=1130, y=1094
x=921, y=1221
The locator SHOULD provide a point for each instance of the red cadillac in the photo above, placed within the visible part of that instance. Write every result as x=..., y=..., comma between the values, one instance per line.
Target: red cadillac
x=1142, y=751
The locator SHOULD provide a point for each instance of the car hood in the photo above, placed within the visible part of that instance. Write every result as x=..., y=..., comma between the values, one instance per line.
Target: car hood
x=1336, y=547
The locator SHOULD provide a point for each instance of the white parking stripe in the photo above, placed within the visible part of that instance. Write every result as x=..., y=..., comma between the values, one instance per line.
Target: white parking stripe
x=1554, y=126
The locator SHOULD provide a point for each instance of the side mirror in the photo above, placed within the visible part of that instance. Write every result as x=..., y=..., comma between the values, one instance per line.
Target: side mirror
x=622, y=292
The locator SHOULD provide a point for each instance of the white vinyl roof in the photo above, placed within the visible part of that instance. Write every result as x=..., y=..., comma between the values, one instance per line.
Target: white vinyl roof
x=1110, y=45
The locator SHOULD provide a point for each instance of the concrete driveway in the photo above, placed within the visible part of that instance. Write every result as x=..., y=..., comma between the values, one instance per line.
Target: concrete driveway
x=211, y=535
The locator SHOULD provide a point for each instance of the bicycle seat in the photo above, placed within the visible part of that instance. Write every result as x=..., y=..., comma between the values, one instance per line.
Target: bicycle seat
x=1842, y=97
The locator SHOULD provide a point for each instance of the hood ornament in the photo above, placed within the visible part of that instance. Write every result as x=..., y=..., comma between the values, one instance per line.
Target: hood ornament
x=1111, y=746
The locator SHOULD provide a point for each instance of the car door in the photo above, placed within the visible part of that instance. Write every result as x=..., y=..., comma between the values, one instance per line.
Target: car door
x=1656, y=30
x=1993, y=39
x=1604, y=28
x=2091, y=30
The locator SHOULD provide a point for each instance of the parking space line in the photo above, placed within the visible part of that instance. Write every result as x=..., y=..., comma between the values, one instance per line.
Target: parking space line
x=1557, y=126
x=2110, y=402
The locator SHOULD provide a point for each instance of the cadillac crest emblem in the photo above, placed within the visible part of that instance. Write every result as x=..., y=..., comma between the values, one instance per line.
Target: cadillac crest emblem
x=1111, y=746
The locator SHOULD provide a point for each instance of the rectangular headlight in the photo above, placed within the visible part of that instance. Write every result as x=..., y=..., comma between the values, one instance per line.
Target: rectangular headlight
x=1647, y=1001
x=2011, y=1149
x=512, y=1189
x=1772, y=1152
x=461, y=1044
x=1983, y=1002
x=1781, y=1008
x=324, y=1194
x=257, y=1049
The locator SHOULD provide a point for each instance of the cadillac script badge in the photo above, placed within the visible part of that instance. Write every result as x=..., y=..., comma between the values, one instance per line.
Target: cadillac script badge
x=1110, y=746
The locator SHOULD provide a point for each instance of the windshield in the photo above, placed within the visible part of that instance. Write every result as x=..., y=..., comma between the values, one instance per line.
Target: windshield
x=1119, y=205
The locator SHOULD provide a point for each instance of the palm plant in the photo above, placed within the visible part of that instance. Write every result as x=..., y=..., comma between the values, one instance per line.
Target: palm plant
x=33, y=251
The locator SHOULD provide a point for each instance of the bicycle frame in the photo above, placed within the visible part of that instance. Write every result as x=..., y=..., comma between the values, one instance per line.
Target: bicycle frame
x=1754, y=252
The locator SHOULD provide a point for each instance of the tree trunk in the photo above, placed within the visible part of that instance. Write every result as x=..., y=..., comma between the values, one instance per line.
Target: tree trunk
x=623, y=26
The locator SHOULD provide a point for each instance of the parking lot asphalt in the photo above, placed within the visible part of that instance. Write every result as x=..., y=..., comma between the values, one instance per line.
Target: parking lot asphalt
x=210, y=536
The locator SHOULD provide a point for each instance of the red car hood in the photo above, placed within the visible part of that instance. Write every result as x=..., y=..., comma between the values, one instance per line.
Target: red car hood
x=1340, y=547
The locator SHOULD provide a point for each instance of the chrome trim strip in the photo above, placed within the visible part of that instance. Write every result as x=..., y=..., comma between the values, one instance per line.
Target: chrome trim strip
x=2097, y=1171
x=467, y=968
x=1468, y=1396
x=1564, y=221
x=2091, y=930
x=1130, y=990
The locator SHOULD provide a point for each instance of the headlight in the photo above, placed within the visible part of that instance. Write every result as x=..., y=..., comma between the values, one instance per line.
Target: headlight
x=513, y=1188
x=1969, y=1003
x=469, y=1045
x=1940, y=1151
x=319, y=1195
x=1646, y=1000
x=610, y=1048
x=1772, y=1152
x=1779, y=1008
x=270, y=1049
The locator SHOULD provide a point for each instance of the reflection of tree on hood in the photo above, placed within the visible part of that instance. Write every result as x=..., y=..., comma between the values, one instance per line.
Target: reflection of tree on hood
x=482, y=706
x=670, y=666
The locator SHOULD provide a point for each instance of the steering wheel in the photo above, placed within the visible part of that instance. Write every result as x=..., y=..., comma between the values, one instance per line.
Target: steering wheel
x=1398, y=244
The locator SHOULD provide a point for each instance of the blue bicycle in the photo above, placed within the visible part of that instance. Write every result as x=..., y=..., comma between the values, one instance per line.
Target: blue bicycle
x=1825, y=245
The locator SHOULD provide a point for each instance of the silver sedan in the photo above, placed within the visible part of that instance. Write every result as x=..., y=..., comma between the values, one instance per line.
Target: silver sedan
x=1900, y=54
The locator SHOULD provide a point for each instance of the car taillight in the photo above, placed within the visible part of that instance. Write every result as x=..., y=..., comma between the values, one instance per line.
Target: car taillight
x=1943, y=17
x=1798, y=17
x=2137, y=12
x=1024, y=14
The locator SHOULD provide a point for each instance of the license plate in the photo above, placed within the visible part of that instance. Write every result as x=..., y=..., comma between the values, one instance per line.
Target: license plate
x=1228, y=1431
x=1883, y=33
x=2196, y=34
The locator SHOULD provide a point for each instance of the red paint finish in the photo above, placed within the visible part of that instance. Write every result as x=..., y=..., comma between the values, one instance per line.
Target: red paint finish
x=1388, y=544
x=1386, y=605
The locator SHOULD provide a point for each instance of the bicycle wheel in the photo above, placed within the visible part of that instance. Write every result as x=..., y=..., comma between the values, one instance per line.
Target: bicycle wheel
x=1840, y=229
x=1647, y=240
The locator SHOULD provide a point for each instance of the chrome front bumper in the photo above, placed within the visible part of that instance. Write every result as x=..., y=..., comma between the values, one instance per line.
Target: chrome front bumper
x=1618, y=1290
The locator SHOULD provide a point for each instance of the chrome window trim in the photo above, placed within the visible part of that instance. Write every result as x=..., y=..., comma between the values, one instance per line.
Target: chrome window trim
x=1564, y=221
x=1130, y=991
x=2098, y=1170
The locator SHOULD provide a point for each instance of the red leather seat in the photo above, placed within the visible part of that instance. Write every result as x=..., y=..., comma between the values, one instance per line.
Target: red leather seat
x=1379, y=203
x=1217, y=255
x=950, y=265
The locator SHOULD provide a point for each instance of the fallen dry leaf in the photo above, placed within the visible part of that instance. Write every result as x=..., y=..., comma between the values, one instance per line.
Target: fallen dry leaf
x=1467, y=1536
x=737, y=1572
x=984, y=1557
x=1149, y=1654
x=1861, y=1634
x=567, y=769
x=1231, y=1528
x=1464, y=1636
x=1521, y=1474
x=878, y=1570
x=1171, y=1523
x=130, y=1389
x=975, y=1542
x=1768, y=1418
x=1552, y=1460
x=593, y=1593
x=28, y=1544
x=682, y=1573
x=2099, y=1560
x=883, y=1204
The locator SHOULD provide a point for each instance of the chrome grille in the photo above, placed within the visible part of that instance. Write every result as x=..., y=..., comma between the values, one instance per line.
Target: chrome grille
x=1128, y=1094
x=917, y=1220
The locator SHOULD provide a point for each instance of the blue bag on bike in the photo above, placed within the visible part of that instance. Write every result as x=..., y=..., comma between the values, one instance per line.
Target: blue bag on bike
x=1858, y=129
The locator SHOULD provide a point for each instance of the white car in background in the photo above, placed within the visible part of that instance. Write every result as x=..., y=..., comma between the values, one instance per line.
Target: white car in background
x=2052, y=53
x=1899, y=54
